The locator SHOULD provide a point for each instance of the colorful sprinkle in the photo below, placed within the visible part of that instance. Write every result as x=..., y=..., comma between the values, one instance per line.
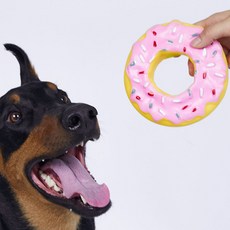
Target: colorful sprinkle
x=155, y=44
x=174, y=30
x=132, y=63
x=204, y=75
x=162, y=112
x=154, y=33
x=146, y=84
x=194, y=110
x=151, y=59
x=176, y=100
x=195, y=35
x=141, y=72
x=204, y=52
x=170, y=41
x=133, y=91
x=138, y=97
x=143, y=48
x=150, y=105
x=218, y=74
x=177, y=115
x=201, y=92
x=162, y=100
x=189, y=92
x=214, y=92
x=181, y=38
x=137, y=80
x=142, y=58
x=214, y=53
x=211, y=64
x=184, y=49
x=197, y=61
x=185, y=107
x=151, y=94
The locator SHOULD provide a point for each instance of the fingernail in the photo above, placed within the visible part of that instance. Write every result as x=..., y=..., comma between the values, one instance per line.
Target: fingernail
x=196, y=42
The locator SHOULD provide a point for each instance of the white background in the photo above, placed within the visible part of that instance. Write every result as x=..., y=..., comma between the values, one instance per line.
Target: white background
x=160, y=177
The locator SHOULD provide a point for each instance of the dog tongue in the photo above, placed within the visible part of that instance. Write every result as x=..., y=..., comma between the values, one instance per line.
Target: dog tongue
x=75, y=180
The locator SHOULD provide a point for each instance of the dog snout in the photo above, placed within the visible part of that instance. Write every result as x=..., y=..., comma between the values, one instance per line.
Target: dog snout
x=79, y=117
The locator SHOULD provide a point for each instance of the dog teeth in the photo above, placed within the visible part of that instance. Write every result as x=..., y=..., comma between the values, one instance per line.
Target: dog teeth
x=81, y=144
x=83, y=199
x=49, y=181
x=43, y=175
x=56, y=188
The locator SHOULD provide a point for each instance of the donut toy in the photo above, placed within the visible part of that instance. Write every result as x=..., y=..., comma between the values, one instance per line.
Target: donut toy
x=193, y=104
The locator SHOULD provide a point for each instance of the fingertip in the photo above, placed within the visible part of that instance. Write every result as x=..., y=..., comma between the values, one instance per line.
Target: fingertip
x=190, y=68
x=196, y=42
x=228, y=60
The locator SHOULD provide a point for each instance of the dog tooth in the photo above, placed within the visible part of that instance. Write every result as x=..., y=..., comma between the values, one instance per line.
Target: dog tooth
x=81, y=144
x=50, y=182
x=56, y=188
x=43, y=176
x=43, y=160
x=70, y=209
x=83, y=199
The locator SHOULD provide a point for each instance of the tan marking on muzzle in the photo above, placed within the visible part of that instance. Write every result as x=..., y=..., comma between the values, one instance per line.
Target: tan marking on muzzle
x=40, y=212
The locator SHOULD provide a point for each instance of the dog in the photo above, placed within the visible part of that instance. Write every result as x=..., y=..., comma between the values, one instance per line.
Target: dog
x=44, y=181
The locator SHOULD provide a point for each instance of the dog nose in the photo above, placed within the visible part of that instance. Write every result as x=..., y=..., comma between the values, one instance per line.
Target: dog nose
x=79, y=116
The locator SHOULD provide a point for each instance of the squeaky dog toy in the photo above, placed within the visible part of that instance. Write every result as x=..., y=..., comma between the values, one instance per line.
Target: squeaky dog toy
x=199, y=100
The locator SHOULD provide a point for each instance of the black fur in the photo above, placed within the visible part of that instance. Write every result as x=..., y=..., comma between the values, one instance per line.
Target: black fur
x=11, y=217
x=88, y=224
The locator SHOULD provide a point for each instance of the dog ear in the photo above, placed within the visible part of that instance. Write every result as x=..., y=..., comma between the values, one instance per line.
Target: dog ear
x=27, y=71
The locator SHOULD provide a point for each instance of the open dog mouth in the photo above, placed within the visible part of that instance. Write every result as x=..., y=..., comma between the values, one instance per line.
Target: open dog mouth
x=67, y=181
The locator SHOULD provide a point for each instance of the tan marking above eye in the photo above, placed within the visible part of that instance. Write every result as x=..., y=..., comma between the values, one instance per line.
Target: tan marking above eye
x=1, y=162
x=52, y=86
x=15, y=98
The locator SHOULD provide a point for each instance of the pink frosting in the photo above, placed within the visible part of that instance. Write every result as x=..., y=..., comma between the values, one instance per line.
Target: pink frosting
x=209, y=79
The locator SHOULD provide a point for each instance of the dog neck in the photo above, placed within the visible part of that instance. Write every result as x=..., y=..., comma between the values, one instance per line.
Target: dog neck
x=45, y=215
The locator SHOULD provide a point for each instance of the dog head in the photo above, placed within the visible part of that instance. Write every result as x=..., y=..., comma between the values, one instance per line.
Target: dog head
x=43, y=137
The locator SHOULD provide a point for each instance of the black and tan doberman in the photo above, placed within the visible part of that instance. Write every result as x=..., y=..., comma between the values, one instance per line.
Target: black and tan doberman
x=44, y=181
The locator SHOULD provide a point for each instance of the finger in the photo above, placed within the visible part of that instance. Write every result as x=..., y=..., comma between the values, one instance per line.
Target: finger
x=211, y=33
x=191, y=69
x=214, y=18
x=226, y=50
x=228, y=59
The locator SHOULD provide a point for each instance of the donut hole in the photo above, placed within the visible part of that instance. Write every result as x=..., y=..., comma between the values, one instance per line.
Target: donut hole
x=171, y=75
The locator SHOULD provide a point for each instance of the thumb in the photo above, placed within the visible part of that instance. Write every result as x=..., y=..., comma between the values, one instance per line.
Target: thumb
x=211, y=33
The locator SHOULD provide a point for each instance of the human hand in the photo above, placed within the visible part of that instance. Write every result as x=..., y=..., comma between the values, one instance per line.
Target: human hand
x=216, y=27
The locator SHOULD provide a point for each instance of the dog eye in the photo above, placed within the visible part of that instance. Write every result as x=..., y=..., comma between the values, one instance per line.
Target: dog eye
x=14, y=117
x=64, y=99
